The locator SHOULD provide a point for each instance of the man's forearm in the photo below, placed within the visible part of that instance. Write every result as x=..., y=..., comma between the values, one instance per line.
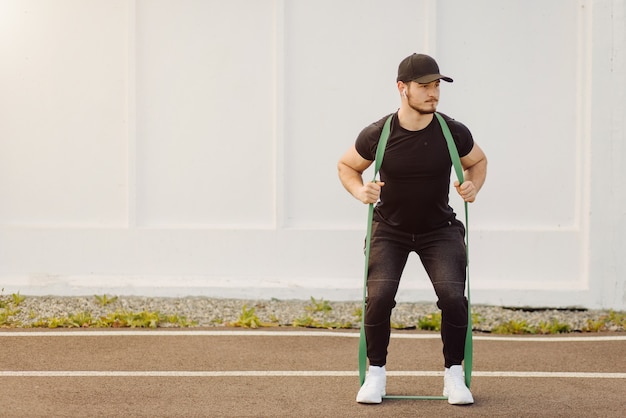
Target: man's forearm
x=477, y=174
x=351, y=179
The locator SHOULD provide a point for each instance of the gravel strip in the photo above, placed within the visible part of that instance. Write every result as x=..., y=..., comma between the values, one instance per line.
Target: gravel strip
x=212, y=312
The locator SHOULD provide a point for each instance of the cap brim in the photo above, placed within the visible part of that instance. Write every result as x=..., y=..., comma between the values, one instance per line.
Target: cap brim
x=432, y=77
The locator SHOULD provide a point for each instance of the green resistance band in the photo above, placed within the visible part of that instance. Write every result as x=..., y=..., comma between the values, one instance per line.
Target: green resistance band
x=456, y=161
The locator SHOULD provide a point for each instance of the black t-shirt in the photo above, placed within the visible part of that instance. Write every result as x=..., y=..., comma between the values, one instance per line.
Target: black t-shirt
x=416, y=170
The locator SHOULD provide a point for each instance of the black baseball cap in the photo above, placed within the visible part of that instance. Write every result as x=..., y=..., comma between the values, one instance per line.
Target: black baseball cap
x=420, y=68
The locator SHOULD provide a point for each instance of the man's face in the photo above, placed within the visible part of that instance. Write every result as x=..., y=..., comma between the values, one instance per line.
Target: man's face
x=423, y=98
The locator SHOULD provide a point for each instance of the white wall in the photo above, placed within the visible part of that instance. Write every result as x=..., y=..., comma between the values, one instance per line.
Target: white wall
x=189, y=147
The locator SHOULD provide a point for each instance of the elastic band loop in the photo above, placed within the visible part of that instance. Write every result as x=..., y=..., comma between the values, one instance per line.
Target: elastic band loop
x=456, y=162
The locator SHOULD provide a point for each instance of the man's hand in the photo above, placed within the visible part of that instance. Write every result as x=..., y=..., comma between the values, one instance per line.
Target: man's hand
x=467, y=190
x=370, y=192
x=475, y=171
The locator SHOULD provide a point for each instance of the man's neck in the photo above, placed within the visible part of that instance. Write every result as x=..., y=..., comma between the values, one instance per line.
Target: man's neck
x=412, y=120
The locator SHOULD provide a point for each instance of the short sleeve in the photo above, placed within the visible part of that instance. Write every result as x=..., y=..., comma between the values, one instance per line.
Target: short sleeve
x=367, y=141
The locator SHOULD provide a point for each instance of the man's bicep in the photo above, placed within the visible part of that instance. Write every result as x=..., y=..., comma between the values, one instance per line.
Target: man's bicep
x=353, y=160
x=475, y=156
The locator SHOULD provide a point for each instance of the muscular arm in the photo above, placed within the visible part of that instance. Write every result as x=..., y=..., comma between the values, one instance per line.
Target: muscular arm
x=475, y=171
x=350, y=169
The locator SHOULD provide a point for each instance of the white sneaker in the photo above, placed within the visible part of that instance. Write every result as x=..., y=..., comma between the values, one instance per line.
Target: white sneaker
x=373, y=388
x=454, y=387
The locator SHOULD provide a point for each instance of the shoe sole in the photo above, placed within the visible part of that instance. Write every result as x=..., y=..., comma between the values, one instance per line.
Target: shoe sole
x=458, y=402
x=370, y=401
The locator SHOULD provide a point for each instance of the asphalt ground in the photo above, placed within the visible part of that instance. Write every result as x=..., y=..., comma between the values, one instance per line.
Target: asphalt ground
x=296, y=373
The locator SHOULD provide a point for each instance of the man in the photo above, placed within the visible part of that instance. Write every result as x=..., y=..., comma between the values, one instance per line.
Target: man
x=413, y=214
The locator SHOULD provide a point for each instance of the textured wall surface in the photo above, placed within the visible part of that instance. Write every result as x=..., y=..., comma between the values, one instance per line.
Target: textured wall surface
x=189, y=147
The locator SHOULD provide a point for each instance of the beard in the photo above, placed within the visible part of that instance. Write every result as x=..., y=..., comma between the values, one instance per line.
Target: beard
x=426, y=108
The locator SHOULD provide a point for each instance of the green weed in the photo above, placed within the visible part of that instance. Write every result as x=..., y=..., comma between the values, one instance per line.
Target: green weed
x=104, y=300
x=80, y=320
x=117, y=319
x=553, y=327
x=358, y=314
x=430, y=322
x=17, y=299
x=274, y=319
x=594, y=325
x=144, y=319
x=316, y=316
x=247, y=319
x=306, y=322
x=514, y=327
x=9, y=308
x=321, y=305
x=179, y=320
x=50, y=323
x=310, y=322
x=617, y=318
x=477, y=318
x=401, y=325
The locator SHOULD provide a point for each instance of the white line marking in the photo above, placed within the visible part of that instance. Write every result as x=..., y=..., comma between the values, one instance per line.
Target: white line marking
x=325, y=373
x=186, y=333
x=579, y=375
x=254, y=333
x=550, y=339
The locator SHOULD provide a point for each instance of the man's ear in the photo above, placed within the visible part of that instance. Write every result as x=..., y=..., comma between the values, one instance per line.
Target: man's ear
x=402, y=88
